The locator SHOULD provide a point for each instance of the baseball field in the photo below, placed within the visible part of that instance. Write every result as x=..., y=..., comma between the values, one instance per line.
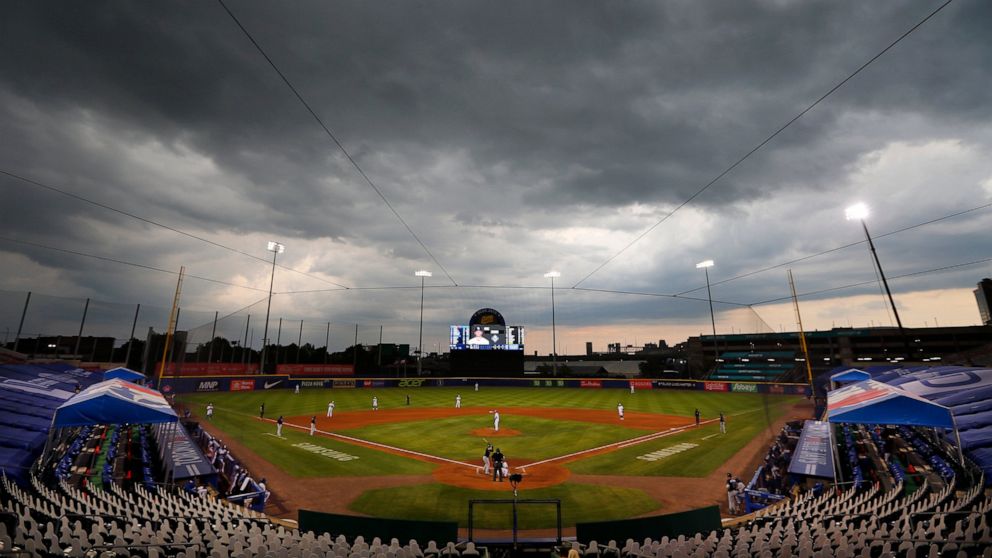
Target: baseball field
x=422, y=458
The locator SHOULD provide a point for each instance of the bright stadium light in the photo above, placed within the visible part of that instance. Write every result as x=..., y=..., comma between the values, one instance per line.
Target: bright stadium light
x=276, y=249
x=860, y=212
x=705, y=265
x=857, y=211
x=423, y=274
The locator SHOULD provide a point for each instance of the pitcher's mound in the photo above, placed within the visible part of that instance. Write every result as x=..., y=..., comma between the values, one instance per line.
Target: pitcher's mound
x=490, y=433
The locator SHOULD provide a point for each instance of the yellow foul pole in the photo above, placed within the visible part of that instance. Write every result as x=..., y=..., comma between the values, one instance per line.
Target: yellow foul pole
x=802, y=334
x=172, y=326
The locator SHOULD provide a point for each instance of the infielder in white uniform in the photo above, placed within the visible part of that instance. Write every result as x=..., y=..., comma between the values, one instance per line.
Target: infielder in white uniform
x=279, y=427
x=330, y=409
x=496, y=420
x=458, y=401
x=375, y=403
x=313, y=424
x=620, y=410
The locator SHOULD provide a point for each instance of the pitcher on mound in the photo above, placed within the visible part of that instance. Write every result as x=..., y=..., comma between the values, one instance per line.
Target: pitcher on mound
x=495, y=415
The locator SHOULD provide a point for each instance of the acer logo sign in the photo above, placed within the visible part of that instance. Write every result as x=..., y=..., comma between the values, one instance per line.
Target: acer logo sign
x=411, y=383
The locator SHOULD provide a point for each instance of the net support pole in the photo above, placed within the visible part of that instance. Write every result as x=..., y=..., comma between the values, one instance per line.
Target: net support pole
x=20, y=326
x=213, y=334
x=82, y=324
x=327, y=342
x=130, y=340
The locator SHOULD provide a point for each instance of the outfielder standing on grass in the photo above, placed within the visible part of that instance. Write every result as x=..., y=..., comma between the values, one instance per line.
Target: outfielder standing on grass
x=210, y=411
x=458, y=401
x=723, y=423
x=279, y=426
x=261, y=410
x=375, y=403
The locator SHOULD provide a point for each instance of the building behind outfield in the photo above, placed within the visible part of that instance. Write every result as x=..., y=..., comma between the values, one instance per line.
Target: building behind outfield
x=752, y=354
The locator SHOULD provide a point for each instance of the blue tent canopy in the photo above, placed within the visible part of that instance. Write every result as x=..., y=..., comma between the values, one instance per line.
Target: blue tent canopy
x=122, y=373
x=850, y=375
x=114, y=402
x=871, y=402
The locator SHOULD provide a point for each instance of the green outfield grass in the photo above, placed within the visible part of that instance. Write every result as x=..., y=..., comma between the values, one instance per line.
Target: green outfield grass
x=302, y=462
x=712, y=448
x=314, y=401
x=451, y=437
x=538, y=439
x=579, y=503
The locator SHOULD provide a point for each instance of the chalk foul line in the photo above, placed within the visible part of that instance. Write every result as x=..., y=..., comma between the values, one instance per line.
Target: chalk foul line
x=361, y=442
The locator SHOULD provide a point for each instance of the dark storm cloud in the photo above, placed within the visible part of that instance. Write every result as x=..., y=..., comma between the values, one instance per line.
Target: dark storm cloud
x=512, y=137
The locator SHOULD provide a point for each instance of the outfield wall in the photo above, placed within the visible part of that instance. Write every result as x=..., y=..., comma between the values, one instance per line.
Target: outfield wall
x=193, y=384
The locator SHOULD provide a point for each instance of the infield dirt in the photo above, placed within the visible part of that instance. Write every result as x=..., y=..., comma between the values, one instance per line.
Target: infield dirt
x=334, y=494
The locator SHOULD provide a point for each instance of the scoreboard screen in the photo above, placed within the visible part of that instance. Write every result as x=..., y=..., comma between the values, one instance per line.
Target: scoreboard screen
x=487, y=337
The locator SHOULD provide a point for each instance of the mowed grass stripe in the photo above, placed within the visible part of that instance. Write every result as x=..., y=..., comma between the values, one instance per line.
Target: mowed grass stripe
x=235, y=414
x=299, y=462
x=712, y=450
x=451, y=437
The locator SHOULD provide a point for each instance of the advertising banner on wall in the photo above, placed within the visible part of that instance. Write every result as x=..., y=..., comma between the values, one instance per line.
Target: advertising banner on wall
x=642, y=384
x=676, y=384
x=744, y=388
x=243, y=385
x=591, y=383
x=209, y=369
x=716, y=386
x=316, y=369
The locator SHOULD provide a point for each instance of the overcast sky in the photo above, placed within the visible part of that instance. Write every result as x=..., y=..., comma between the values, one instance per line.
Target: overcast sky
x=513, y=138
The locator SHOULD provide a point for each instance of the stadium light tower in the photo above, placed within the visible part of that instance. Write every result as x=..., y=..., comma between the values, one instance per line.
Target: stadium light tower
x=276, y=249
x=423, y=274
x=554, y=335
x=860, y=212
x=705, y=266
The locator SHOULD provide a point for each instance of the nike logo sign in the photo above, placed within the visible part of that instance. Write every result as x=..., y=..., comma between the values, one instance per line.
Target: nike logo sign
x=272, y=384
